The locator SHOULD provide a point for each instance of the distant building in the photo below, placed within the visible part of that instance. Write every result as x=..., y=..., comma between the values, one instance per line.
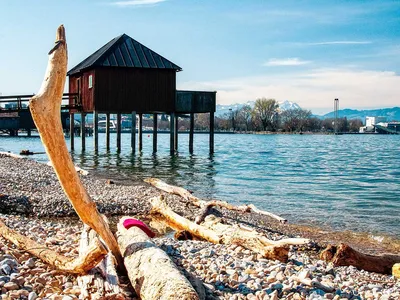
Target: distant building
x=370, y=123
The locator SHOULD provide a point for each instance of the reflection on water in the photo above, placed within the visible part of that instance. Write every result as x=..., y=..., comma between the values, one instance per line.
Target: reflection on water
x=349, y=182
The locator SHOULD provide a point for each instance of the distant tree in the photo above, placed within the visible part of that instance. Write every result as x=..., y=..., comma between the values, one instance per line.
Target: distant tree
x=265, y=111
x=202, y=122
x=314, y=124
x=295, y=119
x=354, y=125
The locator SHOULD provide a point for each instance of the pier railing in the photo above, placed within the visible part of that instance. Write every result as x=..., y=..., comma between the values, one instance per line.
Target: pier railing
x=16, y=103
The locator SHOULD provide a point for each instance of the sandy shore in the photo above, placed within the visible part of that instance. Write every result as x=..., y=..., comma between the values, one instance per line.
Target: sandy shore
x=32, y=202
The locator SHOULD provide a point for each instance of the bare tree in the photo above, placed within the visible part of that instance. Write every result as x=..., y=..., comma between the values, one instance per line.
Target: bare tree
x=265, y=111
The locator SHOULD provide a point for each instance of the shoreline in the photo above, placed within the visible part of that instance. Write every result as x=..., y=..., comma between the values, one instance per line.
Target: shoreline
x=29, y=187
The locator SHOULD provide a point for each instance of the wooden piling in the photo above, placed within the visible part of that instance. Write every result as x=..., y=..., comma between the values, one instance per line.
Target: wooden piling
x=118, y=132
x=133, y=132
x=176, y=133
x=108, y=131
x=28, y=132
x=83, y=131
x=211, y=132
x=191, y=133
x=172, y=133
x=96, y=130
x=140, y=132
x=155, y=133
x=72, y=130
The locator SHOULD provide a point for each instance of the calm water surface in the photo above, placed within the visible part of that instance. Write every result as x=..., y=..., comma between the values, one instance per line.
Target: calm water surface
x=347, y=182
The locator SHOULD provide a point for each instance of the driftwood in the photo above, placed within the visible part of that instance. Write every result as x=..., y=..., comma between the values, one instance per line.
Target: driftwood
x=101, y=282
x=314, y=283
x=207, y=205
x=396, y=270
x=344, y=255
x=89, y=258
x=45, y=109
x=214, y=231
x=152, y=273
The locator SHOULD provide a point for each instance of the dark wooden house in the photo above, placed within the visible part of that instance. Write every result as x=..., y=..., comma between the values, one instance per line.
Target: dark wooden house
x=125, y=76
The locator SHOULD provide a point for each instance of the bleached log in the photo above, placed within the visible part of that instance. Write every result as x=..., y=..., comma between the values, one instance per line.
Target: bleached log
x=207, y=205
x=101, y=282
x=87, y=259
x=344, y=255
x=152, y=273
x=45, y=109
x=214, y=231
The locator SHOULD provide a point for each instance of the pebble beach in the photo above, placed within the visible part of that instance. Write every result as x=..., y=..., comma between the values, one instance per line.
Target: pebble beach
x=33, y=203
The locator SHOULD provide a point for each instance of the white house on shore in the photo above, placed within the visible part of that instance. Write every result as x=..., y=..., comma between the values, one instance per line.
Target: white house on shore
x=370, y=122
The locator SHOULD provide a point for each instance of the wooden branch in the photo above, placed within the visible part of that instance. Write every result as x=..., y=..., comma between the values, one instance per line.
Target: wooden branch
x=207, y=205
x=45, y=109
x=214, y=231
x=314, y=283
x=344, y=255
x=87, y=259
x=101, y=282
x=152, y=273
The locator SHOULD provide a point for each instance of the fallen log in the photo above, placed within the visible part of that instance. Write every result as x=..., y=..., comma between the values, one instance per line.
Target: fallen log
x=152, y=273
x=207, y=205
x=215, y=232
x=88, y=259
x=344, y=255
x=101, y=282
x=45, y=109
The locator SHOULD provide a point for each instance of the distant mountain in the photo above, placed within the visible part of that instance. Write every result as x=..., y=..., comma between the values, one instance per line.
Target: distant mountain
x=225, y=109
x=392, y=114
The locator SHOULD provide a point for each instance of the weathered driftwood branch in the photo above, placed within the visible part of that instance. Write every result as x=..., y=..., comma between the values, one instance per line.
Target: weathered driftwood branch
x=214, y=231
x=314, y=283
x=45, y=109
x=87, y=259
x=207, y=205
x=344, y=255
x=101, y=282
x=152, y=273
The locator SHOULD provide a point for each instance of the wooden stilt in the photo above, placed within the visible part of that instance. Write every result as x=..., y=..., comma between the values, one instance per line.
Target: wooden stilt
x=140, y=132
x=155, y=133
x=96, y=130
x=83, y=131
x=176, y=133
x=108, y=131
x=172, y=133
x=133, y=132
x=72, y=130
x=191, y=133
x=28, y=132
x=118, y=132
x=211, y=132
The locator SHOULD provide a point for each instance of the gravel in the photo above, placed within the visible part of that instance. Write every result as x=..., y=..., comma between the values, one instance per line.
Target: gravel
x=33, y=203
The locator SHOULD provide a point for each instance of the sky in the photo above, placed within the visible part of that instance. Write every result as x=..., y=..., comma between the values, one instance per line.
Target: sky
x=306, y=51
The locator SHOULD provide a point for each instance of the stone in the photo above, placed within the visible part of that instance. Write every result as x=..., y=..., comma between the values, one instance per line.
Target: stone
x=11, y=286
x=6, y=269
x=30, y=263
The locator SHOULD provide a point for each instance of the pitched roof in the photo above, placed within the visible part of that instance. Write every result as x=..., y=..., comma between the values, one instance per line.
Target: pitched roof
x=124, y=51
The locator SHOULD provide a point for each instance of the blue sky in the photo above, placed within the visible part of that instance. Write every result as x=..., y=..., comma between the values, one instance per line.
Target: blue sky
x=309, y=52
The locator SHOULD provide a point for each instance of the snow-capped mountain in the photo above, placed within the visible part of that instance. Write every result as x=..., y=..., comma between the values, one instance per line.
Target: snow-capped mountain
x=286, y=105
x=225, y=109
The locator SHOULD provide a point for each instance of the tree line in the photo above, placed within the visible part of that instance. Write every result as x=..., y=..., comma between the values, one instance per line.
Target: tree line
x=267, y=116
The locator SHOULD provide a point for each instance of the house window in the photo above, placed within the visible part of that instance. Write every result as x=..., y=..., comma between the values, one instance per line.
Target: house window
x=90, y=81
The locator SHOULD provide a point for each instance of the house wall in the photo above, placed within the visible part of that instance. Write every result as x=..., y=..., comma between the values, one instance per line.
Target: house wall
x=134, y=89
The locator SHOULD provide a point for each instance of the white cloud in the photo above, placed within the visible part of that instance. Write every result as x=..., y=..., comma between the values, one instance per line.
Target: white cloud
x=294, y=61
x=313, y=89
x=136, y=2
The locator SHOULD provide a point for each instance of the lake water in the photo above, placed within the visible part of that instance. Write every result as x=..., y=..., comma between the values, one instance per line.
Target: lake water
x=346, y=182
